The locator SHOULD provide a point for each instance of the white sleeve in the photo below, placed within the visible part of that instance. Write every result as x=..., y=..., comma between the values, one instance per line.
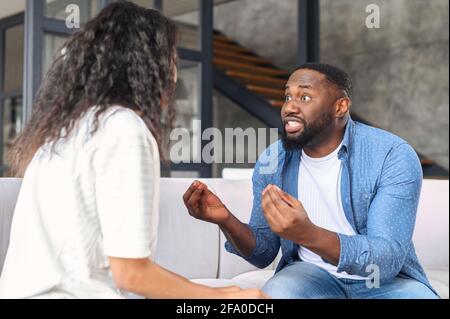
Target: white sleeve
x=126, y=164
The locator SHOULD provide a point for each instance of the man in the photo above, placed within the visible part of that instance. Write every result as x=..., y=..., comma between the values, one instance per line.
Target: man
x=341, y=204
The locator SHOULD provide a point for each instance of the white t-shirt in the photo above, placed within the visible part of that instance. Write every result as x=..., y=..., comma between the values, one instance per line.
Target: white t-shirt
x=97, y=196
x=319, y=190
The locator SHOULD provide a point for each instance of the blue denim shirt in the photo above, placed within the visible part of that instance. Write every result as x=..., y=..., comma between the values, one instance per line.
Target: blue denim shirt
x=380, y=188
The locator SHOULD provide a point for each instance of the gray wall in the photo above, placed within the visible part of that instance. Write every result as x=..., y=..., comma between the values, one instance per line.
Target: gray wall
x=400, y=71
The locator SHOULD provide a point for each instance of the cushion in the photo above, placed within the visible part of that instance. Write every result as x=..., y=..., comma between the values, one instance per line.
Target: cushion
x=9, y=190
x=186, y=246
x=438, y=277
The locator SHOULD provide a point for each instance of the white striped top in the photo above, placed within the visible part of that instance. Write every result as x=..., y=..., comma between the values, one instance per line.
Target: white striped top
x=319, y=190
x=97, y=196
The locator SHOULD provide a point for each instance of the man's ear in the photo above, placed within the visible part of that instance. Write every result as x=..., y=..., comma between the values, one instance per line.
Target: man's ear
x=343, y=105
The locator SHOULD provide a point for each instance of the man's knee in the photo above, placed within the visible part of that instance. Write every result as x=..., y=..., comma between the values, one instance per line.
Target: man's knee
x=301, y=281
x=280, y=287
x=413, y=290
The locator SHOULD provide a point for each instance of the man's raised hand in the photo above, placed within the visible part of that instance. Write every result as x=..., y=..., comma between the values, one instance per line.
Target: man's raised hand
x=204, y=205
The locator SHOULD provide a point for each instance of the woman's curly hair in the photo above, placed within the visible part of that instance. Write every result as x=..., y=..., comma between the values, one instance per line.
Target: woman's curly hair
x=126, y=55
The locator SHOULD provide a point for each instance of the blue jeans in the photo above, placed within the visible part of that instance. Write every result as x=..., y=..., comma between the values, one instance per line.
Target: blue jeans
x=302, y=280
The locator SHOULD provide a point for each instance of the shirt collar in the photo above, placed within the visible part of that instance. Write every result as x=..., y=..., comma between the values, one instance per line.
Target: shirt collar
x=347, y=136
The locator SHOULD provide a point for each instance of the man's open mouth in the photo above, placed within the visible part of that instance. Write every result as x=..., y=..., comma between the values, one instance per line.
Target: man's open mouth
x=292, y=126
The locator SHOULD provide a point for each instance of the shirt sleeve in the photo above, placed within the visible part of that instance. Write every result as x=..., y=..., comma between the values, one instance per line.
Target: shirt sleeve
x=126, y=163
x=391, y=220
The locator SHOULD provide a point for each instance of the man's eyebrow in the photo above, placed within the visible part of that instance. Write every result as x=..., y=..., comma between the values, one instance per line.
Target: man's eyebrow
x=302, y=86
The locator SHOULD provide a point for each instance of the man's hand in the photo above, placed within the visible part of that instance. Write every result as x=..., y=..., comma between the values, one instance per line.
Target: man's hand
x=286, y=215
x=204, y=205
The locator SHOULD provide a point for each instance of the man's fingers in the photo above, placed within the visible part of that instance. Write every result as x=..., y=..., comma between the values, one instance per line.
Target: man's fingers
x=192, y=188
x=289, y=199
x=276, y=195
x=189, y=191
x=270, y=210
x=195, y=197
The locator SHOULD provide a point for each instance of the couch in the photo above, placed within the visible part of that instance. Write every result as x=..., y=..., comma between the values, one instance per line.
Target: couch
x=195, y=249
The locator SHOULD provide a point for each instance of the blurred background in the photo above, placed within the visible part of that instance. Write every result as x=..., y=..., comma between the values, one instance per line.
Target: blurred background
x=235, y=57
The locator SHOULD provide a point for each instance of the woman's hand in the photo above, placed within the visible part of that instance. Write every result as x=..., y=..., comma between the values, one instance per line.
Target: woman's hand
x=235, y=292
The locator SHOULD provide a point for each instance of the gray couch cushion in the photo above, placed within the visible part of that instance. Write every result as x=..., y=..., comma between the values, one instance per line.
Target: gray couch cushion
x=9, y=189
x=185, y=245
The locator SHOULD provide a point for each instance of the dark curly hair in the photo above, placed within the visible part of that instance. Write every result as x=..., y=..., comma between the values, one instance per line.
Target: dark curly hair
x=126, y=55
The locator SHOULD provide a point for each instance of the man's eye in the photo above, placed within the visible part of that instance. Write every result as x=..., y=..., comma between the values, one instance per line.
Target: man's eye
x=306, y=98
x=288, y=98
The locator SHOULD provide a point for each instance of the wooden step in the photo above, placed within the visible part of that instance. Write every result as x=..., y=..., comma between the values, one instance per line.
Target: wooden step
x=240, y=57
x=227, y=64
x=256, y=79
x=230, y=47
x=276, y=103
x=426, y=162
x=269, y=92
x=221, y=37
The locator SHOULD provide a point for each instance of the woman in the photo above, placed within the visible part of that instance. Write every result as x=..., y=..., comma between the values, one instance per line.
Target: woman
x=90, y=157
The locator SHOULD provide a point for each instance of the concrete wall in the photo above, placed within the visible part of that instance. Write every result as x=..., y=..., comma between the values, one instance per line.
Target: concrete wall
x=400, y=71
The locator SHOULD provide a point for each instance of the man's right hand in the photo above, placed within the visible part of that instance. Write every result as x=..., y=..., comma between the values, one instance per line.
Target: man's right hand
x=204, y=205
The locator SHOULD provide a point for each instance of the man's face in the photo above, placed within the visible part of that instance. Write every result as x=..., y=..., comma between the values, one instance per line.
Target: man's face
x=308, y=110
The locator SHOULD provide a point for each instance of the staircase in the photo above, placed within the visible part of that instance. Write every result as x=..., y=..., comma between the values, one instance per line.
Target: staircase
x=258, y=86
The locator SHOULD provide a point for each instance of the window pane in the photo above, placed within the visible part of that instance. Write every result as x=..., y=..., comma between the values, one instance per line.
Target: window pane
x=186, y=14
x=14, y=41
x=184, y=174
x=12, y=122
x=187, y=110
x=56, y=9
x=51, y=44
x=142, y=3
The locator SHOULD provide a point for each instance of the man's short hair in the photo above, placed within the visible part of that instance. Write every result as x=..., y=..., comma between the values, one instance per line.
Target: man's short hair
x=333, y=74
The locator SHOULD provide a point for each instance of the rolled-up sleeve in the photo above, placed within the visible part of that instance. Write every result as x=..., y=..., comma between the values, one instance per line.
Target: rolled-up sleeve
x=390, y=222
x=267, y=242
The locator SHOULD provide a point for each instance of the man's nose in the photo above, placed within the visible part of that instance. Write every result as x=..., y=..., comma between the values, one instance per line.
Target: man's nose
x=290, y=107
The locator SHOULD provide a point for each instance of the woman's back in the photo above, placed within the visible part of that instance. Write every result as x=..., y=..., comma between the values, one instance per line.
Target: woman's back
x=95, y=196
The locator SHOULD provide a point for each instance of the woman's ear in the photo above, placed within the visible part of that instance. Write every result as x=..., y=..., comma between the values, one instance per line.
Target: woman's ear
x=175, y=73
x=175, y=67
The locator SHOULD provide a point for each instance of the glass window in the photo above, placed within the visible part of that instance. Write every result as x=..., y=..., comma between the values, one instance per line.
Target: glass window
x=56, y=9
x=186, y=15
x=12, y=122
x=11, y=105
x=14, y=44
x=184, y=174
x=52, y=43
x=228, y=114
x=187, y=110
x=143, y=3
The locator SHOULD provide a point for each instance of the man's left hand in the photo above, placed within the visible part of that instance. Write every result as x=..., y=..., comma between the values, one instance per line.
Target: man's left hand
x=285, y=214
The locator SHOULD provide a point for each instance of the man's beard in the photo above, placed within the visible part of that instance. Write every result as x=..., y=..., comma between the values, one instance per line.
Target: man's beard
x=309, y=133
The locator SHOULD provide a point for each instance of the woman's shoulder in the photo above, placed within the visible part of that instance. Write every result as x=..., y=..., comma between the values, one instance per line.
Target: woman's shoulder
x=121, y=117
x=117, y=125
